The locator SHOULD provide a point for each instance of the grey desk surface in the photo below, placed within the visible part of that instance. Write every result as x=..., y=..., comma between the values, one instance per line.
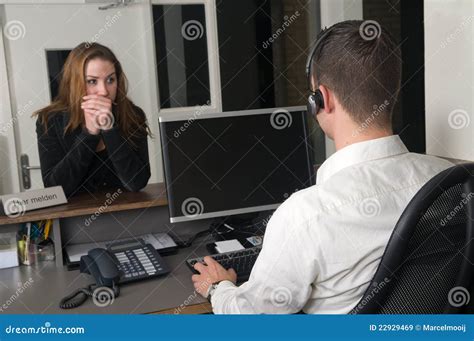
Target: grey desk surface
x=49, y=284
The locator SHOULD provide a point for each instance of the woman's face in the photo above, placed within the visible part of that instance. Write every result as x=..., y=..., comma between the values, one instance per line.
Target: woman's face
x=101, y=78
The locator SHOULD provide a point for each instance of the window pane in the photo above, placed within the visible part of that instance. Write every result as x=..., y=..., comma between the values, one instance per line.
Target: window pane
x=55, y=60
x=263, y=46
x=262, y=49
x=181, y=51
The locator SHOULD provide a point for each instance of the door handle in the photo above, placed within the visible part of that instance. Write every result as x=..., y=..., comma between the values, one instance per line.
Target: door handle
x=31, y=167
x=25, y=170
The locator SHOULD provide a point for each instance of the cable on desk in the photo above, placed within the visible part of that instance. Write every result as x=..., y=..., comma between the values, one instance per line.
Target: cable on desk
x=68, y=302
x=221, y=228
x=189, y=242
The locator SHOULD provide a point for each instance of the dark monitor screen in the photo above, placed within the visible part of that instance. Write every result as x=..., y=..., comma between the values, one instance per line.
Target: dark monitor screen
x=235, y=162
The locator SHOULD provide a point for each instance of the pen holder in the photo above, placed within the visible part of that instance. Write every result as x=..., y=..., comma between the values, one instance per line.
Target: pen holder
x=45, y=251
x=28, y=252
x=32, y=252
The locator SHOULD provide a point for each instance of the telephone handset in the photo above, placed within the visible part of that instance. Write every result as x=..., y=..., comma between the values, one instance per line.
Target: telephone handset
x=122, y=262
x=100, y=264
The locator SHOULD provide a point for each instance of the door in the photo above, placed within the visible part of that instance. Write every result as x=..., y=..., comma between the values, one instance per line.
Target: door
x=31, y=32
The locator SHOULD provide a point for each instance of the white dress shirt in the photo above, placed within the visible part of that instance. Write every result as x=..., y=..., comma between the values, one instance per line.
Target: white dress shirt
x=322, y=246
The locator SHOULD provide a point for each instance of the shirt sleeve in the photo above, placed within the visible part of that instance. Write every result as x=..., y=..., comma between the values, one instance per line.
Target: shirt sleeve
x=282, y=277
x=60, y=168
x=131, y=162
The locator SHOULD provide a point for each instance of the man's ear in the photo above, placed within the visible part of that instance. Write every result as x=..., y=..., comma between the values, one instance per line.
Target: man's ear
x=328, y=99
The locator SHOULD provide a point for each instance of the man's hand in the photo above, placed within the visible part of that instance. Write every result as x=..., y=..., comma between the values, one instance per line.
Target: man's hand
x=210, y=273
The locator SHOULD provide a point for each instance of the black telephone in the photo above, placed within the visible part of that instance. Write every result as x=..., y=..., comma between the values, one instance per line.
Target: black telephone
x=100, y=264
x=122, y=262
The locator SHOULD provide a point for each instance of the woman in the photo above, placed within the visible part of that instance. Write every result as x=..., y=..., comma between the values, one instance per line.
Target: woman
x=92, y=136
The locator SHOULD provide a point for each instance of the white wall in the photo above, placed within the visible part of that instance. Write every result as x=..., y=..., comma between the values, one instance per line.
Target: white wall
x=449, y=74
x=9, y=181
x=334, y=11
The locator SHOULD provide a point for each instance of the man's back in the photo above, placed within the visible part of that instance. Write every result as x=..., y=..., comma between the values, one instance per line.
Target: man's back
x=323, y=245
x=352, y=213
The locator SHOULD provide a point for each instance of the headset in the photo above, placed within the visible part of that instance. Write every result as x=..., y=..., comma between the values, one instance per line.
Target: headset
x=315, y=99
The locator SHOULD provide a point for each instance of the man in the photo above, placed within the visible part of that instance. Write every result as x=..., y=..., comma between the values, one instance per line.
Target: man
x=322, y=246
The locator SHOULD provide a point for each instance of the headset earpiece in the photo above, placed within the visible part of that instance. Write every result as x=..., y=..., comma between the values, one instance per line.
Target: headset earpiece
x=315, y=99
x=315, y=102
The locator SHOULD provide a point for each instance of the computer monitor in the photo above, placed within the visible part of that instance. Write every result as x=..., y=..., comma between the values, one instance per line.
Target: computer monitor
x=232, y=163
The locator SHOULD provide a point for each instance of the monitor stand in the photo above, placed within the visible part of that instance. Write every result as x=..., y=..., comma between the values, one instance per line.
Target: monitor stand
x=240, y=226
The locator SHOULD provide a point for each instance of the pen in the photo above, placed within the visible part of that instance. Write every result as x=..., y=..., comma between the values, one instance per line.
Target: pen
x=27, y=242
x=46, y=229
x=228, y=226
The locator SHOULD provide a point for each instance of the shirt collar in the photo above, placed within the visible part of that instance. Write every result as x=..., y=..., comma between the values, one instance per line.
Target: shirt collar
x=360, y=152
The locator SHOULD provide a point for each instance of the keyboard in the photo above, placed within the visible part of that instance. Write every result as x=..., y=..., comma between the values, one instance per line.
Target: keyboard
x=241, y=261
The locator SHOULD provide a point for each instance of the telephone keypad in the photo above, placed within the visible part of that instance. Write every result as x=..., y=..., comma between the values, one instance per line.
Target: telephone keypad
x=140, y=263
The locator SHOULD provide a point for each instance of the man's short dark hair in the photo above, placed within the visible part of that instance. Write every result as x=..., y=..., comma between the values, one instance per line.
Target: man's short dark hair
x=360, y=62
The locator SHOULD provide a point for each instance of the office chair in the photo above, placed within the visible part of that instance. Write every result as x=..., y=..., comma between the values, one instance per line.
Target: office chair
x=428, y=264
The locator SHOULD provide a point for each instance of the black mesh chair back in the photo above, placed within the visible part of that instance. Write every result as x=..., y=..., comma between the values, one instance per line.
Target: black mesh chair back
x=427, y=266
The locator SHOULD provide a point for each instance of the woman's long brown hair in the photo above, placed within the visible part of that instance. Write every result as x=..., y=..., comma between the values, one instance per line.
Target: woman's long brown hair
x=72, y=88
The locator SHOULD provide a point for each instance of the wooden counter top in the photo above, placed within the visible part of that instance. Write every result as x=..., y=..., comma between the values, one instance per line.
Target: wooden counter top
x=85, y=203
